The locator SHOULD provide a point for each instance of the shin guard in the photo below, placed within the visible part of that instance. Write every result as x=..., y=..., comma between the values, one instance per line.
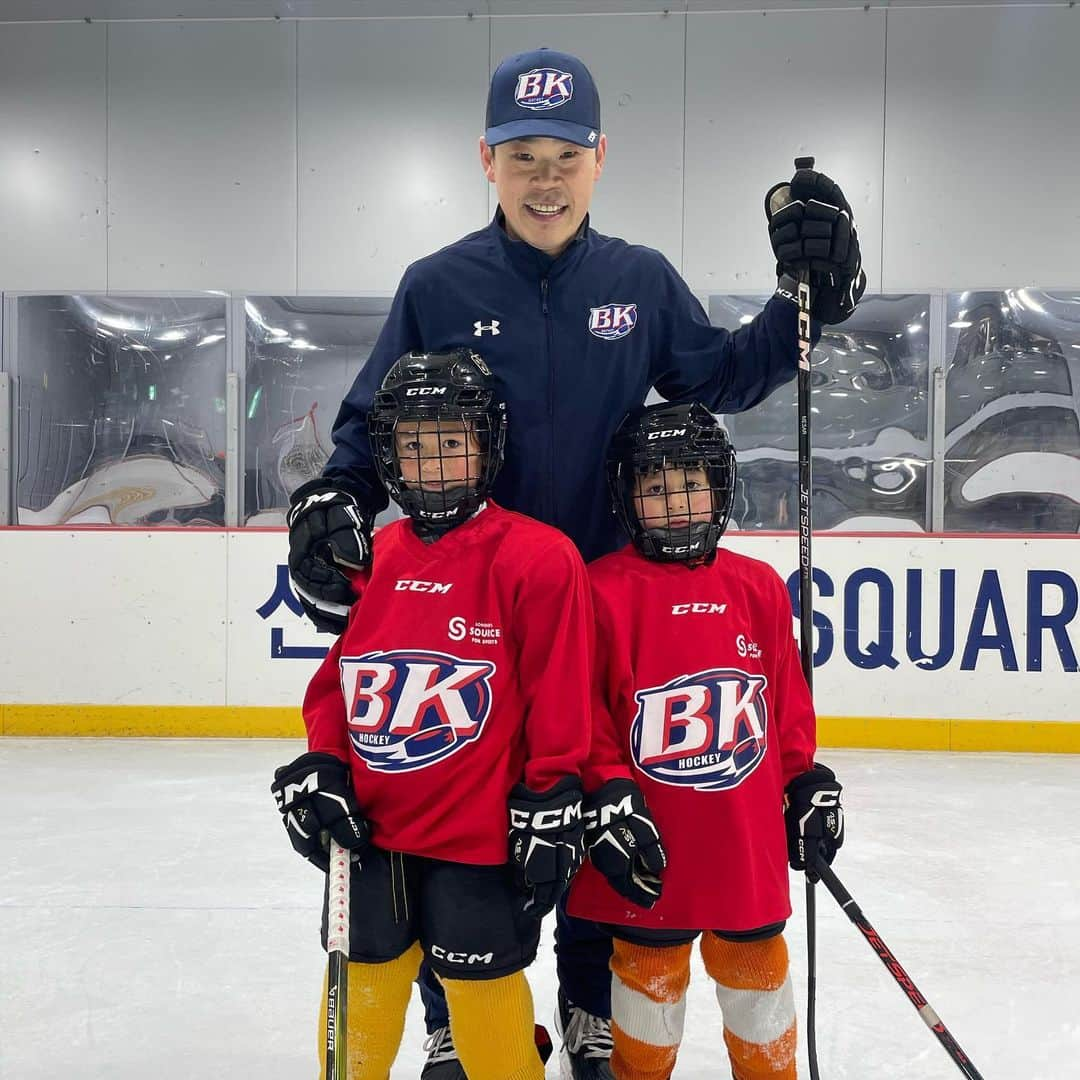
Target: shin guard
x=491, y=1021
x=757, y=1002
x=378, y=998
x=648, y=1005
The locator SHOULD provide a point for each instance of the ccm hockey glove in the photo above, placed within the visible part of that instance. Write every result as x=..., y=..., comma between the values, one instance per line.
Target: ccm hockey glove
x=328, y=530
x=811, y=226
x=814, y=817
x=315, y=796
x=546, y=841
x=623, y=842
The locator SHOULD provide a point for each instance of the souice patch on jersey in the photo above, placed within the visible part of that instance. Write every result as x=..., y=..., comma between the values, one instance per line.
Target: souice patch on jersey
x=708, y=731
x=612, y=321
x=409, y=709
x=544, y=88
x=480, y=632
x=745, y=647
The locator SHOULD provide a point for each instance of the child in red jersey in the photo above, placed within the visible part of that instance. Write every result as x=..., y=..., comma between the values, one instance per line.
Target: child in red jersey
x=447, y=729
x=703, y=731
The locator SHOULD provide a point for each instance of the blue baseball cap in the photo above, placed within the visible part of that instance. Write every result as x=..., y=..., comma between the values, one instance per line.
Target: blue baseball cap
x=543, y=92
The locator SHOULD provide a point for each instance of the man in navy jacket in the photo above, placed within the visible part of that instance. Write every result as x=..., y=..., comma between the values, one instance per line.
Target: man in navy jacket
x=578, y=328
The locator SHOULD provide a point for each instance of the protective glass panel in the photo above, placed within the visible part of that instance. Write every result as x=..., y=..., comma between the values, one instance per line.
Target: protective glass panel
x=869, y=416
x=1012, y=415
x=303, y=354
x=120, y=410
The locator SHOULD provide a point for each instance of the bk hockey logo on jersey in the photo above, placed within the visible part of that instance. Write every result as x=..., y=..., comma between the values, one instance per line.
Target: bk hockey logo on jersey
x=544, y=88
x=410, y=709
x=612, y=320
x=706, y=731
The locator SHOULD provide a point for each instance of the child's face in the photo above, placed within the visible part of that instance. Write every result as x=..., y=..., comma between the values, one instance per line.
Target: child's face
x=672, y=498
x=437, y=454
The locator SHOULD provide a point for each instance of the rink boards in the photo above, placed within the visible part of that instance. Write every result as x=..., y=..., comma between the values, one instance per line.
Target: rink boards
x=927, y=642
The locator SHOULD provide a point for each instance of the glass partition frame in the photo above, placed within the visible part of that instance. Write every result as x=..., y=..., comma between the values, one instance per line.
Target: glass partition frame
x=967, y=423
x=117, y=409
x=871, y=420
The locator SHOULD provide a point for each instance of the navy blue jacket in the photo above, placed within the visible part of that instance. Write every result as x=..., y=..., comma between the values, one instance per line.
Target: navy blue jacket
x=537, y=323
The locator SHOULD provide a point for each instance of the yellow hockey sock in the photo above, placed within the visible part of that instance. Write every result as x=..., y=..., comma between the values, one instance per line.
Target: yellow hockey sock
x=756, y=999
x=491, y=1021
x=648, y=1003
x=378, y=998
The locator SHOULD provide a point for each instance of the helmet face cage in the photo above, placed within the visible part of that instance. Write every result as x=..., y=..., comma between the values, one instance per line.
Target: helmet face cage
x=437, y=435
x=672, y=477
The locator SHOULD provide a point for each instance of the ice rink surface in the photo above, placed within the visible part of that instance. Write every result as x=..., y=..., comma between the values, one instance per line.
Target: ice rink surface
x=155, y=922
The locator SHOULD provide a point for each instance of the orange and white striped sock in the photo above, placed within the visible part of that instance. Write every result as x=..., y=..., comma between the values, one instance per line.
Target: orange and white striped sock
x=757, y=1002
x=648, y=1004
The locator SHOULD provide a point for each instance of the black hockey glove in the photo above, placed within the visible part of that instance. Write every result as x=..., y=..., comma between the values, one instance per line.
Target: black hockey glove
x=315, y=796
x=814, y=817
x=623, y=842
x=546, y=841
x=328, y=530
x=811, y=225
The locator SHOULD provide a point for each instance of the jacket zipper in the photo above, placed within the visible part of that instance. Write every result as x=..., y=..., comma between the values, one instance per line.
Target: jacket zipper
x=550, y=494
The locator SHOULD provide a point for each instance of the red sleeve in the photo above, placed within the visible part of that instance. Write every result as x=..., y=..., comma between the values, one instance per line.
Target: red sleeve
x=794, y=709
x=553, y=614
x=324, y=708
x=611, y=698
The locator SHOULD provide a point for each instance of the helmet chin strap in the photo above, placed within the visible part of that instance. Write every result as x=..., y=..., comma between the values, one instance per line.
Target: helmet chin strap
x=678, y=544
x=430, y=530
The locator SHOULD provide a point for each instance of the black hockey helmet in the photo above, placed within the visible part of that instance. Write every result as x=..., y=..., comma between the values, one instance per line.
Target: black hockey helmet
x=448, y=398
x=668, y=436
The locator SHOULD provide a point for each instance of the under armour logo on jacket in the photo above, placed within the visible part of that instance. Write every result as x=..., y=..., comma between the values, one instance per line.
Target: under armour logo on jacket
x=492, y=328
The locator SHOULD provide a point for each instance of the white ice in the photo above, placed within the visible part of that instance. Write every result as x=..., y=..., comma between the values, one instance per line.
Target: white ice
x=155, y=922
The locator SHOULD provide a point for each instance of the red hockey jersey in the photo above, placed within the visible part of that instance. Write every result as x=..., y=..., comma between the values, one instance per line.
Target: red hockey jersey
x=700, y=698
x=464, y=669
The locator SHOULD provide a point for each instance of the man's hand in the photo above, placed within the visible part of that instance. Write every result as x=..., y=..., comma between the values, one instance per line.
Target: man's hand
x=811, y=228
x=328, y=532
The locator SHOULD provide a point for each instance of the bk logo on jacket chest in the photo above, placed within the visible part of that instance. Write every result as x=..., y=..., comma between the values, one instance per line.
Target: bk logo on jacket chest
x=409, y=709
x=612, y=320
x=706, y=731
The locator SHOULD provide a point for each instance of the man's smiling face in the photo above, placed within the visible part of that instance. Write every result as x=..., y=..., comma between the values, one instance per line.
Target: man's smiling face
x=545, y=187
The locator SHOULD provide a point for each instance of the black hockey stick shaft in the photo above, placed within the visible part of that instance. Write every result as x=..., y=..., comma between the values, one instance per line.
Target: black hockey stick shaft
x=806, y=596
x=806, y=612
x=903, y=979
x=336, y=1056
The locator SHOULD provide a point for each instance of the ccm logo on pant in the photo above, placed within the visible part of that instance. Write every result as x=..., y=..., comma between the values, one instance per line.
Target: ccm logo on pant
x=461, y=958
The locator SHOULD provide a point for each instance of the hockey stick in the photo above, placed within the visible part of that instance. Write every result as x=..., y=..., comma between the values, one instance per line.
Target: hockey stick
x=806, y=596
x=777, y=199
x=806, y=619
x=806, y=613
x=337, y=952
x=903, y=979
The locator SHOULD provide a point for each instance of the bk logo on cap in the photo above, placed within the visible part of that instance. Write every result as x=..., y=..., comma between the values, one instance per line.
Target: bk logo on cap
x=612, y=320
x=544, y=88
